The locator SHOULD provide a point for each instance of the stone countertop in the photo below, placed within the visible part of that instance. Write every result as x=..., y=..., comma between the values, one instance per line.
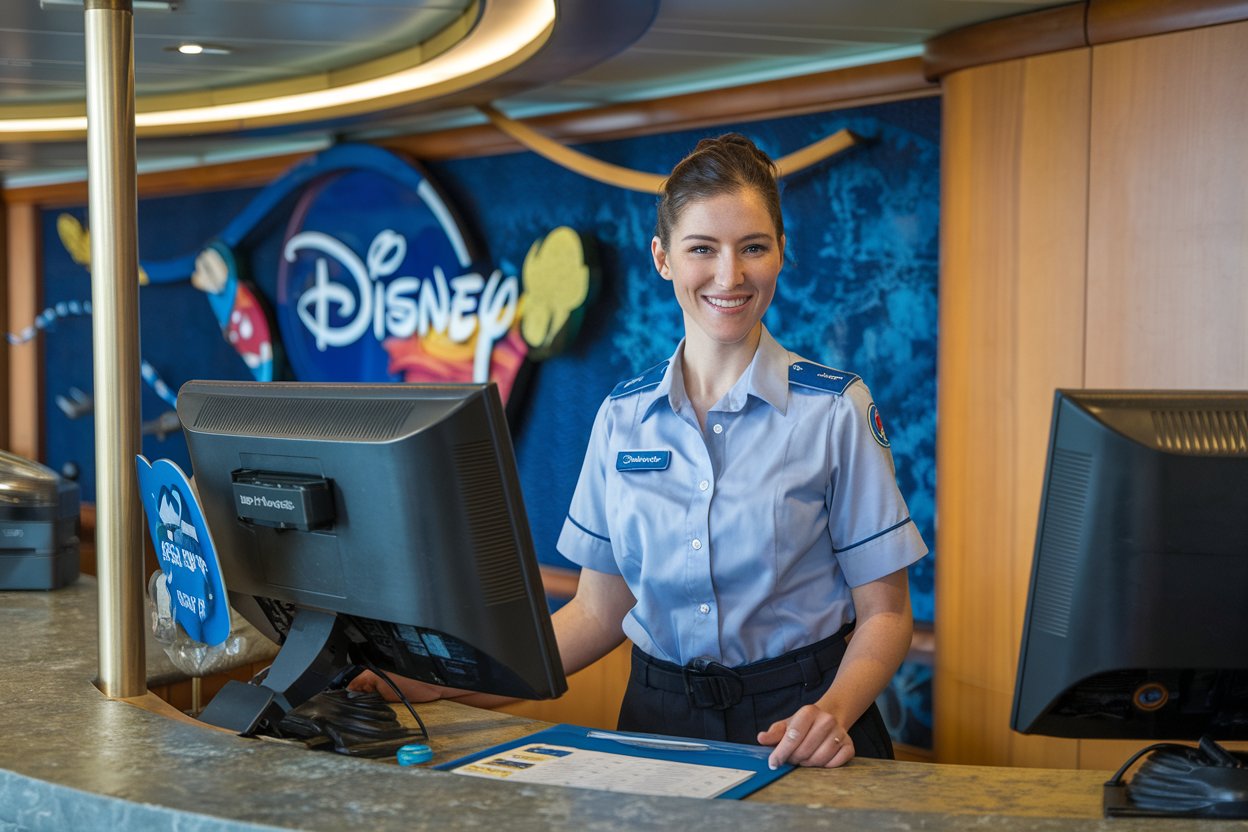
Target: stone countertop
x=73, y=759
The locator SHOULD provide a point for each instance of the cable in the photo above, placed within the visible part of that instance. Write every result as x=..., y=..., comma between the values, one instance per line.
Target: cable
x=381, y=674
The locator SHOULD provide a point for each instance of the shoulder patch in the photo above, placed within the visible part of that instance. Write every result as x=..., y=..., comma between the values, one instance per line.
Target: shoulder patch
x=648, y=378
x=818, y=377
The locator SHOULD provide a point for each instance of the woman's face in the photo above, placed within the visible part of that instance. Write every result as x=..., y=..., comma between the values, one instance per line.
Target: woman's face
x=723, y=261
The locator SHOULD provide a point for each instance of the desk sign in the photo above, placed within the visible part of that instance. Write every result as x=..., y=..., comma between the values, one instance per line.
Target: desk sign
x=188, y=560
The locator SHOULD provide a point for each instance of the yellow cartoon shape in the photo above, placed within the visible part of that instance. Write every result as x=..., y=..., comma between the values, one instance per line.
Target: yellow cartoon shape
x=77, y=242
x=556, y=286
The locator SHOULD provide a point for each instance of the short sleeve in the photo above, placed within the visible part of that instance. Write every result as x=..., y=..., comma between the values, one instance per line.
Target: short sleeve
x=872, y=533
x=585, y=539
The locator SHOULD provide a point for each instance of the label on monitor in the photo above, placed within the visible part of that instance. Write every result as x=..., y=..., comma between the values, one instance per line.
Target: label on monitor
x=283, y=501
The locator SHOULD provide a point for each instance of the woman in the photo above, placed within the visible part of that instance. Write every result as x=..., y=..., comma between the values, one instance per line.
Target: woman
x=737, y=513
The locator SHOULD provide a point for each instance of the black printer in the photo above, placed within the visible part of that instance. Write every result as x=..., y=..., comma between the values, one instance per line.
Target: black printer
x=38, y=526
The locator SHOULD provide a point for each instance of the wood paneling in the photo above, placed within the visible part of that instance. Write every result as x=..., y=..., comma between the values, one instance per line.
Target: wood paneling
x=593, y=697
x=1018, y=36
x=24, y=401
x=1114, y=20
x=1094, y=233
x=1085, y=23
x=4, y=319
x=1168, y=259
x=1014, y=183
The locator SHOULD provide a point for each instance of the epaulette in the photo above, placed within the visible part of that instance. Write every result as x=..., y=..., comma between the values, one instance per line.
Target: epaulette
x=818, y=377
x=649, y=378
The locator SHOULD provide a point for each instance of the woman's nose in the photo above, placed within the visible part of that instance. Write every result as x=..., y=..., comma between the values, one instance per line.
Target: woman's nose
x=728, y=272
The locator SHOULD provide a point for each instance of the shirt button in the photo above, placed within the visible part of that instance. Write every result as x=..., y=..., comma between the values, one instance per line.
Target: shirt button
x=697, y=544
x=705, y=609
x=705, y=484
x=718, y=428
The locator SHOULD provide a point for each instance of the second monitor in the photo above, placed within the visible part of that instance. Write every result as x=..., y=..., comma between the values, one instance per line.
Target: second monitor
x=370, y=523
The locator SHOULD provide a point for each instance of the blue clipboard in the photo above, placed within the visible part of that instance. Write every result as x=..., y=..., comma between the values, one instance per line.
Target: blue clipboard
x=654, y=747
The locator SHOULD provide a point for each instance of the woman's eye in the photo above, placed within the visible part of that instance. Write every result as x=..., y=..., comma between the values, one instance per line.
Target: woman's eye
x=699, y=250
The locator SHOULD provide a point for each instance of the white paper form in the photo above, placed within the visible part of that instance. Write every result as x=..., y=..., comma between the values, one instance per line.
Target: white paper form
x=556, y=765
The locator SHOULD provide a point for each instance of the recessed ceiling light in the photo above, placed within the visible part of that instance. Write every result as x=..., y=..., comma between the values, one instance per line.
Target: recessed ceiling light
x=201, y=49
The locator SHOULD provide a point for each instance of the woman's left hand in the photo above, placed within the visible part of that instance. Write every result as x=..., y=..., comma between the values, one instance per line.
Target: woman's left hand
x=811, y=737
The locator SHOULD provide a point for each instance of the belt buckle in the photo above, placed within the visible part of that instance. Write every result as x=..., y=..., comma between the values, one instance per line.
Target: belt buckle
x=709, y=684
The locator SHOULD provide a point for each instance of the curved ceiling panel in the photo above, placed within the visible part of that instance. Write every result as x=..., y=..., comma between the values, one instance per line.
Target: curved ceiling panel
x=472, y=49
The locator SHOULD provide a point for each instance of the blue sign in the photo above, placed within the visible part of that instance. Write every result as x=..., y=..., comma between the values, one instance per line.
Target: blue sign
x=188, y=560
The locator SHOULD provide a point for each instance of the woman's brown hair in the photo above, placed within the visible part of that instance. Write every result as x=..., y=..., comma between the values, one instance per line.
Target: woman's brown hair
x=724, y=164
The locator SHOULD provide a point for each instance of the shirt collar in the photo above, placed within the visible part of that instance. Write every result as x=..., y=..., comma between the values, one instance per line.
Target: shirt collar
x=670, y=389
x=766, y=378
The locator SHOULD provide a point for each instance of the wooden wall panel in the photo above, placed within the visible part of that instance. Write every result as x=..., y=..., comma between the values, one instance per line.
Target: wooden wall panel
x=23, y=402
x=1168, y=259
x=1094, y=233
x=1014, y=183
x=593, y=697
x=4, y=321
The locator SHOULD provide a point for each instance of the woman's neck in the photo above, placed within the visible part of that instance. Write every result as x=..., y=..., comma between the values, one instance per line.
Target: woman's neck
x=710, y=369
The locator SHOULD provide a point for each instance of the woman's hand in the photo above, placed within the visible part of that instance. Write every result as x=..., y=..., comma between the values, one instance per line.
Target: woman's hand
x=811, y=737
x=415, y=691
x=815, y=736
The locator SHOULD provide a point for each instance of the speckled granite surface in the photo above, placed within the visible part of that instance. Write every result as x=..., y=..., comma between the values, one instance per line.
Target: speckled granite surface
x=71, y=759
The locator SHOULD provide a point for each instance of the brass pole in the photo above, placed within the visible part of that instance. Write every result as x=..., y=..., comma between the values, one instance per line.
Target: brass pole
x=113, y=216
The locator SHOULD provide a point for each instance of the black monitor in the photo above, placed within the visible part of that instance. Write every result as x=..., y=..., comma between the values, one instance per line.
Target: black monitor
x=1137, y=615
x=370, y=524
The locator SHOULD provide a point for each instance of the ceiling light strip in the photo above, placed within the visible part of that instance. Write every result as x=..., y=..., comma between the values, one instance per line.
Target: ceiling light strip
x=507, y=33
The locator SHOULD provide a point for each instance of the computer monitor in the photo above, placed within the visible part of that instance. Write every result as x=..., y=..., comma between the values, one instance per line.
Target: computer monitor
x=1137, y=615
x=376, y=524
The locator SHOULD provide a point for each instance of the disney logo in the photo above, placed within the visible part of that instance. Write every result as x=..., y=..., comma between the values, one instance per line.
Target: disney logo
x=459, y=306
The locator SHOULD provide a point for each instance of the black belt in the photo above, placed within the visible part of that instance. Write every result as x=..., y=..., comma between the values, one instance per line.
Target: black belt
x=709, y=684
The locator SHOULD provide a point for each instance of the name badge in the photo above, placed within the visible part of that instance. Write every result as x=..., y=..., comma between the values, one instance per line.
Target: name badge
x=642, y=460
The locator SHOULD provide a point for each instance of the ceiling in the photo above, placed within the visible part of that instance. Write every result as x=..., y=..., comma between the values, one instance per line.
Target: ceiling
x=597, y=52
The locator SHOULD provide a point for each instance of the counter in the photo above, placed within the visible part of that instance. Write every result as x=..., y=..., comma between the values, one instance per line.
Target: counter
x=72, y=759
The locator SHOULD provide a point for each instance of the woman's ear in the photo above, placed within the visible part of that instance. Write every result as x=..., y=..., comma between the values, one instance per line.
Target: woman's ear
x=660, y=258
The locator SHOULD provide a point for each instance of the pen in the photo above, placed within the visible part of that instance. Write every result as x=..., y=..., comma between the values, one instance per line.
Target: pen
x=648, y=742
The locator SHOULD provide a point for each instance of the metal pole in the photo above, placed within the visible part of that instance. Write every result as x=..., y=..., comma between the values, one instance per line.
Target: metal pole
x=113, y=216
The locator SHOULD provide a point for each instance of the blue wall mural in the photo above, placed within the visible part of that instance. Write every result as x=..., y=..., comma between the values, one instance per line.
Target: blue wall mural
x=858, y=292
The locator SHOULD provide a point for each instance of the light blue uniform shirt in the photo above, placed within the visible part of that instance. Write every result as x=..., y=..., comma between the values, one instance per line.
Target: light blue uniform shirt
x=740, y=543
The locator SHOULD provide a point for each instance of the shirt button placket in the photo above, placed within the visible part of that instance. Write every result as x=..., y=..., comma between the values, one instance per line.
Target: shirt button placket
x=704, y=635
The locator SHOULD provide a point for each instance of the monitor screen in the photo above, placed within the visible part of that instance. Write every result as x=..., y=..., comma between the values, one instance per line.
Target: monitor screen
x=376, y=524
x=1137, y=614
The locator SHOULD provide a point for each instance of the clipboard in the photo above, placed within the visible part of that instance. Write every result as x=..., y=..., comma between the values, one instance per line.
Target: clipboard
x=623, y=761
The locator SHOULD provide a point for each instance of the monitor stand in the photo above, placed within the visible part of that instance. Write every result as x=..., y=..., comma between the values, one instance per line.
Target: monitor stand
x=314, y=652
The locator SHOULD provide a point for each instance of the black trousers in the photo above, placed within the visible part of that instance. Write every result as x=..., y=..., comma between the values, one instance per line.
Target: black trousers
x=709, y=701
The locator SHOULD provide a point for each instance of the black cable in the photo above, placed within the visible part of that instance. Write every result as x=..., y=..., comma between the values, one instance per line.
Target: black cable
x=381, y=674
